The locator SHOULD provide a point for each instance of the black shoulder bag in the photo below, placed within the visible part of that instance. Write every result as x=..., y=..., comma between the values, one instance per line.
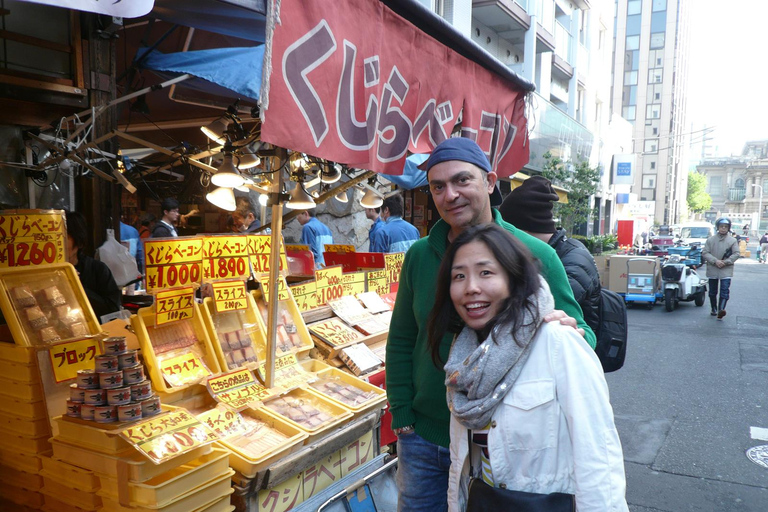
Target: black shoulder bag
x=484, y=498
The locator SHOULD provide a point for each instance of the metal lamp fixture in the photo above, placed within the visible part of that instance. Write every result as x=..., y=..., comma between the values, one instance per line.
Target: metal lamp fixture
x=371, y=199
x=331, y=174
x=223, y=198
x=341, y=197
x=227, y=174
x=217, y=129
x=299, y=199
x=248, y=159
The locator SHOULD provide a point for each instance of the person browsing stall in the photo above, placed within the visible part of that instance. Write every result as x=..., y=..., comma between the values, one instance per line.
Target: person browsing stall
x=530, y=395
x=374, y=214
x=315, y=234
x=396, y=235
x=462, y=184
x=166, y=226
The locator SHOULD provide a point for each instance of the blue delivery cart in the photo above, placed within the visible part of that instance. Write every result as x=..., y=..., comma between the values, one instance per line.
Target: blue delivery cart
x=643, y=283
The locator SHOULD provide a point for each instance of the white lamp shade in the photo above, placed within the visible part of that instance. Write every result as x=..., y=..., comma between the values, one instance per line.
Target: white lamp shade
x=215, y=130
x=223, y=198
x=227, y=174
x=342, y=197
x=244, y=186
x=300, y=200
x=371, y=199
x=248, y=160
x=331, y=175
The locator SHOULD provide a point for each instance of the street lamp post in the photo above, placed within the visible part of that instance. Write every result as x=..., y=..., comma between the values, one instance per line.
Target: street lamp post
x=759, y=207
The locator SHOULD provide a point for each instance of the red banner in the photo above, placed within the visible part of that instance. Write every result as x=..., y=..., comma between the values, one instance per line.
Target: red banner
x=353, y=82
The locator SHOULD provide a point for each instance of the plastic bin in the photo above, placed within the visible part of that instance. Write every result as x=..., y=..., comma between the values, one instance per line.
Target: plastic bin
x=139, y=468
x=23, y=409
x=24, y=497
x=162, y=490
x=69, y=475
x=55, y=505
x=89, y=435
x=338, y=413
x=378, y=399
x=20, y=372
x=220, y=323
x=24, y=426
x=30, y=463
x=208, y=494
x=24, y=444
x=21, y=390
x=248, y=465
x=222, y=504
x=75, y=497
x=13, y=353
x=293, y=311
x=12, y=476
x=144, y=321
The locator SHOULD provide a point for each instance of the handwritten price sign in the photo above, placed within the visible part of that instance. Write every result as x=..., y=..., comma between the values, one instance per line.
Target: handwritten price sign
x=329, y=285
x=288, y=373
x=32, y=238
x=283, y=293
x=183, y=369
x=224, y=423
x=259, y=248
x=164, y=437
x=237, y=390
x=304, y=295
x=173, y=263
x=174, y=305
x=225, y=257
x=229, y=296
x=393, y=263
x=377, y=281
x=67, y=358
x=353, y=283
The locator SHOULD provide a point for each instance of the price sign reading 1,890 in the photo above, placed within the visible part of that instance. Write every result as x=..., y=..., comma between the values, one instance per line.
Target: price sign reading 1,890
x=173, y=262
x=225, y=257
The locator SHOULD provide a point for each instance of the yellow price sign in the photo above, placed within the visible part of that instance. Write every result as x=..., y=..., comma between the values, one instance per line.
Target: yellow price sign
x=339, y=248
x=225, y=257
x=304, y=295
x=174, y=305
x=230, y=381
x=69, y=357
x=166, y=436
x=32, y=237
x=224, y=423
x=172, y=263
x=260, y=248
x=288, y=373
x=353, y=283
x=329, y=285
x=297, y=247
x=229, y=296
x=183, y=369
x=377, y=282
x=393, y=263
x=237, y=390
x=283, y=293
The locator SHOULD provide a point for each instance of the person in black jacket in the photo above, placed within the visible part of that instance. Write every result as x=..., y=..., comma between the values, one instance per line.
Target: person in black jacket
x=95, y=276
x=529, y=207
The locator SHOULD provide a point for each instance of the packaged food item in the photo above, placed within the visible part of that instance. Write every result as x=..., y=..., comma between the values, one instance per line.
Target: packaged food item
x=87, y=411
x=105, y=413
x=128, y=359
x=115, y=345
x=77, y=330
x=129, y=412
x=176, y=335
x=35, y=317
x=150, y=406
x=119, y=396
x=96, y=396
x=53, y=296
x=303, y=412
x=23, y=297
x=73, y=409
x=106, y=363
x=259, y=439
x=141, y=390
x=76, y=394
x=111, y=380
x=49, y=335
x=87, y=379
x=133, y=375
x=345, y=393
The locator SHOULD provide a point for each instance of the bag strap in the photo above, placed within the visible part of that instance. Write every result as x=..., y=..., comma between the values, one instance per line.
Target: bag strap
x=469, y=452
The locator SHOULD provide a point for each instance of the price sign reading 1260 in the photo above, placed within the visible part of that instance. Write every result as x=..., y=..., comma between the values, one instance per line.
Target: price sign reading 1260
x=174, y=305
x=259, y=247
x=229, y=296
x=30, y=237
x=225, y=257
x=173, y=263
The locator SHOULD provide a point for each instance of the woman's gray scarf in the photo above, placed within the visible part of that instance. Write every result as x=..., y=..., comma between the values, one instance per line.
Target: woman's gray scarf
x=479, y=375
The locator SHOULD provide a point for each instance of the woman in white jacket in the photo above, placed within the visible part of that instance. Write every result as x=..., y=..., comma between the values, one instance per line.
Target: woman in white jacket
x=532, y=394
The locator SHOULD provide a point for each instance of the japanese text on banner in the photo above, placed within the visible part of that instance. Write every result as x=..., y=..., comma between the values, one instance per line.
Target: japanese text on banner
x=329, y=285
x=69, y=357
x=229, y=296
x=32, y=238
x=225, y=257
x=174, y=305
x=259, y=248
x=237, y=390
x=304, y=295
x=164, y=437
x=173, y=263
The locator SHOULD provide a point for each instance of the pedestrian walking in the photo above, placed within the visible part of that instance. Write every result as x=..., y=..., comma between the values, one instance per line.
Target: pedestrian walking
x=763, y=247
x=720, y=253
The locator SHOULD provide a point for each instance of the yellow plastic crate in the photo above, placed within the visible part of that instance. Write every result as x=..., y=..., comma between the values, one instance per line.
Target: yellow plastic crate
x=24, y=497
x=246, y=465
x=162, y=490
x=377, y=401
x=24, y=409
x=24, y=426
x=338, y=413
x=207, y=494
x=89, y=435
x=55, y=505
x=27, y=462
x=61, y=275
x=222, y=504
x=293, y=310
x=249, y=316
x=69, y=475
x=75, y=497
x=144, y=320
x=24, y=444
x=12, y=476
x=139, y=468
x=25, y=373
x=21, y=390
x=13, y=353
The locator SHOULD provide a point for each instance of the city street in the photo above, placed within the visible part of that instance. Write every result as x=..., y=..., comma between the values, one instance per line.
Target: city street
x=690, y=390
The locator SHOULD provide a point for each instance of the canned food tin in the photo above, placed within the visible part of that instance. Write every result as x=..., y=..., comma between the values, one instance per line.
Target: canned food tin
x=73, y=409
x=109, y=380
x=105, y=413
x=76, y=394
x=95, y=396
x=87, y=379
x=86, y=411
x=119, y=396
x=141, y=390
x=106, y=363
x=115, y=345
x=133, y=375
x=129, y=359
x=150, y=406
x=129, y=412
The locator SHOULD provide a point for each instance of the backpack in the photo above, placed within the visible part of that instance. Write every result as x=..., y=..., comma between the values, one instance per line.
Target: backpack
x=611, y=334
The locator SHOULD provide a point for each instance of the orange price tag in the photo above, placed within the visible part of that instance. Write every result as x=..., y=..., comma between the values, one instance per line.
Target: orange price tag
x=174, y=305
x=259, y=248
x=172, y=263
x=69, y=357
x=184, y=369
x=393, y=263
x=31, y=237
x=229, y=295
x=283, y=293
x=166, y=436
x=304, y=294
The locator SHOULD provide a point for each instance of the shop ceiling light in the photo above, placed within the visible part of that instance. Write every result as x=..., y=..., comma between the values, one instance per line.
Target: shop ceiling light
x=330, y=174
x=248, y=160
x=341, y=197
x=227, y=174
x=263, y=199
x=216, y=131
x=371, y=199
x=300, y=200
x=223, y=198
x=245, y=187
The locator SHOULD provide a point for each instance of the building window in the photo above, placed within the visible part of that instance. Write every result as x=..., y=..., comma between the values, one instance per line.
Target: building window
x=628, y=113
x=648, y=194
x=634, y=7
x=659, y=5
x=655, y=75
x=652, y=146
x=715, y=185
x=649, y=181
x=653, y=111
x=633, y=25
x=655, y=131
x=630, y=78
x=657, y=40
x=659, y=21
x=633, y=42
x=653, y=165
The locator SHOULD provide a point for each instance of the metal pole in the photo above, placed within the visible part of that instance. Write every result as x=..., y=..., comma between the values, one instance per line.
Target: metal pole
x=274, y=273
x=759, y=209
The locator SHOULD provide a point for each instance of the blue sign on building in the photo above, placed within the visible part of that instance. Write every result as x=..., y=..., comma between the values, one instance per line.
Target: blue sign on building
x=623, y=169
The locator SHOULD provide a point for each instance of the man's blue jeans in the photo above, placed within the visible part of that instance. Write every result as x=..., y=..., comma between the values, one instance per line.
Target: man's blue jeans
x=422, y=475
x=725, y=287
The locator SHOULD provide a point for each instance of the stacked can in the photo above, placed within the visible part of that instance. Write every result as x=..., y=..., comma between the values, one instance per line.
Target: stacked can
x=115, y=390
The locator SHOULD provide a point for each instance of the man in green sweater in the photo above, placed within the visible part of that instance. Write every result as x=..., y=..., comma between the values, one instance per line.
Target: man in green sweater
x=462, y=185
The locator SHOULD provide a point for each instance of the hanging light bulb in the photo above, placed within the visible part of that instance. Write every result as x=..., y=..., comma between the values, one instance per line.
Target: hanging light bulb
x=248, y=159
x=227, y=174
x=300, y=200
x=330, y=174
x=223, y=198
x=371, y=199
x=244, y=187
x=263, y=199
x=341, y=197
x=216, y=129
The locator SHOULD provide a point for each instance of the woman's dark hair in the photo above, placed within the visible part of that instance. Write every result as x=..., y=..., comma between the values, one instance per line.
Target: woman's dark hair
x=77, y=228
x=523, y=274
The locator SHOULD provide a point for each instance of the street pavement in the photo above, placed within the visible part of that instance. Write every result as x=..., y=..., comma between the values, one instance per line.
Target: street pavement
x=690, y=390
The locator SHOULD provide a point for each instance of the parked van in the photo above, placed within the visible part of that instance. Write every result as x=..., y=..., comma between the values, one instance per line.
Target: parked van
x=696, y=232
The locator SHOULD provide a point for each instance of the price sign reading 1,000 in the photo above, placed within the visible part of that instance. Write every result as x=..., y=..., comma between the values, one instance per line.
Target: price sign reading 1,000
x=221, y=268
x=329, y=293
x=23, y=254
x=171, y=276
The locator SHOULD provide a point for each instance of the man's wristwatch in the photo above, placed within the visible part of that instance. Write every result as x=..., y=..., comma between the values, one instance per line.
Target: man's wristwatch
x=403, y=430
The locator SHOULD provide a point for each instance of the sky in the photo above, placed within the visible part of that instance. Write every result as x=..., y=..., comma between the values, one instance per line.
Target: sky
x=728, y=72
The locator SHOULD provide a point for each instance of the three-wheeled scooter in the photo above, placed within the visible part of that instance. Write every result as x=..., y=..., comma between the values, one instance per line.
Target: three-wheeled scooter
x=681, y=282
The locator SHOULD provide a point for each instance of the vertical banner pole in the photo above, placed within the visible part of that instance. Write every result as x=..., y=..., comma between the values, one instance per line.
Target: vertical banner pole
x=274, y=272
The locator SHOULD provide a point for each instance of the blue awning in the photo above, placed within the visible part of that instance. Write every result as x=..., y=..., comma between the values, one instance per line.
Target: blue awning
x=412, y=176
x=242, y=18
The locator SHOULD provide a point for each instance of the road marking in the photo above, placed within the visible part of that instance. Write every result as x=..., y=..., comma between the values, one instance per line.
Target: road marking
x=759, y=433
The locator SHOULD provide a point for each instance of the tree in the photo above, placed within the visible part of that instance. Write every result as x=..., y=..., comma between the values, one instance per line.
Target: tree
x=580, y=180
x=698, y=199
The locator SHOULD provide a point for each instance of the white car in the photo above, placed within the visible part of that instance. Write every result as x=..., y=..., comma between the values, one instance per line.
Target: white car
x=696, y=232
